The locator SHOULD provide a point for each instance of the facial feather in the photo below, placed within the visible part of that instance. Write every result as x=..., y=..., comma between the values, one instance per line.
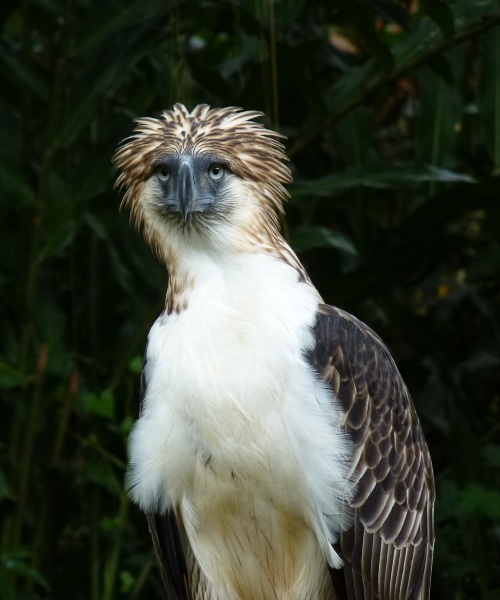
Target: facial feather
x=245, y=218
x=252, y=152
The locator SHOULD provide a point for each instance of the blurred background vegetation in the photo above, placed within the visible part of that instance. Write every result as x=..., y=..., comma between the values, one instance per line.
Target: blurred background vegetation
x=392, y=114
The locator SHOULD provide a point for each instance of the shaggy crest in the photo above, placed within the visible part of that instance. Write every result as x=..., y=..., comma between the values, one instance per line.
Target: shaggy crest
x=251, y=151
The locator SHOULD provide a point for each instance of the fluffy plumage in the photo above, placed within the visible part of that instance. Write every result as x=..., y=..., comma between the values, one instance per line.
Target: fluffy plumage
x=275, y=431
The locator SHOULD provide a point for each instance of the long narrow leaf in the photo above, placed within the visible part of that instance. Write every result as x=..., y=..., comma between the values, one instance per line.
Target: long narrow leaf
x=489, y=94
x=382, y=176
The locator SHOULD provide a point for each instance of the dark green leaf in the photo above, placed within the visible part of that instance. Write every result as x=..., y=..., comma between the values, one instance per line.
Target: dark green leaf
x=440, y=12
x=16, y=72
x=278, y=14
x=389, y=11
x=127, y=582
x=135, y=365
x=15, y=563
x=489, y=94
x=114, y=20
x=5, y=487
x=102, y=404
x=383, y=176
x=441, y=66
x=479, y=499
x=306, y=238
x=492, y=453
x=13, y=183
x=439, y=121
x=10, y=377
x=100, y=473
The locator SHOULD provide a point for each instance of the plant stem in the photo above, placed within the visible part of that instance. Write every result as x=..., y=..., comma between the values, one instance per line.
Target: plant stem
x=29, y=442
x=111, y=567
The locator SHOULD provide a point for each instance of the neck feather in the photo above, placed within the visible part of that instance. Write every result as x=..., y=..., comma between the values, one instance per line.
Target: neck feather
x=192, y=261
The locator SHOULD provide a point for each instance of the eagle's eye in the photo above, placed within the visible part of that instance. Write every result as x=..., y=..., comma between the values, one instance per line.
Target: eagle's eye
x=163, y=174
x=216, y=171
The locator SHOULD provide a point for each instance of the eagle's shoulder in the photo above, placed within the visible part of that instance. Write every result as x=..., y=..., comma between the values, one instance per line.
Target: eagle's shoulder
x=391, y=466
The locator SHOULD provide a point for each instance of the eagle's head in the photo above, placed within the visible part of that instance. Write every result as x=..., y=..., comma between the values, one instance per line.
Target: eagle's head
x=206, y=175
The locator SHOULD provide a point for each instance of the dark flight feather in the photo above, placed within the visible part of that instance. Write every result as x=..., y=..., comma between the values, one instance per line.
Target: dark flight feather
x=388, y=551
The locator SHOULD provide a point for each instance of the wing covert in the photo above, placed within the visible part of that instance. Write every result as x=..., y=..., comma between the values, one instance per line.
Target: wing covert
x=388, y=550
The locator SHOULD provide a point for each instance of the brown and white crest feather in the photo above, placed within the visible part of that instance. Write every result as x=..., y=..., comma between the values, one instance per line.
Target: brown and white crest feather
x=230, y=134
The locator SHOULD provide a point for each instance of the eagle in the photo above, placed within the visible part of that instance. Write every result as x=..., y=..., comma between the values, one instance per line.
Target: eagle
x=277, y=454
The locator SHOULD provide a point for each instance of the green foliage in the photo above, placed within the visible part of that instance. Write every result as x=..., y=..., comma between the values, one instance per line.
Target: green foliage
x=393, y=124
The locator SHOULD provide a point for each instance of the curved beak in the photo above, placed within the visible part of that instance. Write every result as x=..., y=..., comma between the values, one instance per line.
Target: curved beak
x=187, y=188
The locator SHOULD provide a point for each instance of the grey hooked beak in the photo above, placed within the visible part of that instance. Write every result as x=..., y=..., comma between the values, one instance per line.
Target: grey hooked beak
x=191, y=189
x=187, y=188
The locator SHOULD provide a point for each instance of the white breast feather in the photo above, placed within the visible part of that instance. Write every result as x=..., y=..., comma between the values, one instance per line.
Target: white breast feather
x=236, y=429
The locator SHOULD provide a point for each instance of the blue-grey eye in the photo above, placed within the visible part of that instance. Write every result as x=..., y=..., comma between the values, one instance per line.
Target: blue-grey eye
x=216, y=171
x=163, y=174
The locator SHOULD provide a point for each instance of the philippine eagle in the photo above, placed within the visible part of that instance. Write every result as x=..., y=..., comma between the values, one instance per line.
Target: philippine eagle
x=278, y=454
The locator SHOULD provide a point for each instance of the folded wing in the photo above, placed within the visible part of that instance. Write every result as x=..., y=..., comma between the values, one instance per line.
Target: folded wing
x=388, y=551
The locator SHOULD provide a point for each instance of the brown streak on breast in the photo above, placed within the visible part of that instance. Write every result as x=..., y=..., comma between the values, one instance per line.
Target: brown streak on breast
x=180, y=283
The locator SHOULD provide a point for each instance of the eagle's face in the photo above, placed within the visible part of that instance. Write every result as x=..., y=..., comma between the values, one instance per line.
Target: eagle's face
x=195, y=200
x=213, y=174
x=182, y=184
x=186, y=184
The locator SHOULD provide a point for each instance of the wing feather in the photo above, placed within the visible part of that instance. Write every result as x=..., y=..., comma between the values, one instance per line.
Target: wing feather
x=388, y=552
x=170, y=554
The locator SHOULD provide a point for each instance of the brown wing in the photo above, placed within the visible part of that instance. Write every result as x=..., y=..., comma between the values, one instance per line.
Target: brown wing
x=388, y=551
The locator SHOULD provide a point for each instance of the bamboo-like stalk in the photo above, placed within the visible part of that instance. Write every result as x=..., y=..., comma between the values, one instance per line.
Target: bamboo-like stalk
x=29, y=442
x=112, y=563
x=141, y=580
x=274, y=67
x=95, y=554
x=43, y=537
x=27, y=275
x=24, y=430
